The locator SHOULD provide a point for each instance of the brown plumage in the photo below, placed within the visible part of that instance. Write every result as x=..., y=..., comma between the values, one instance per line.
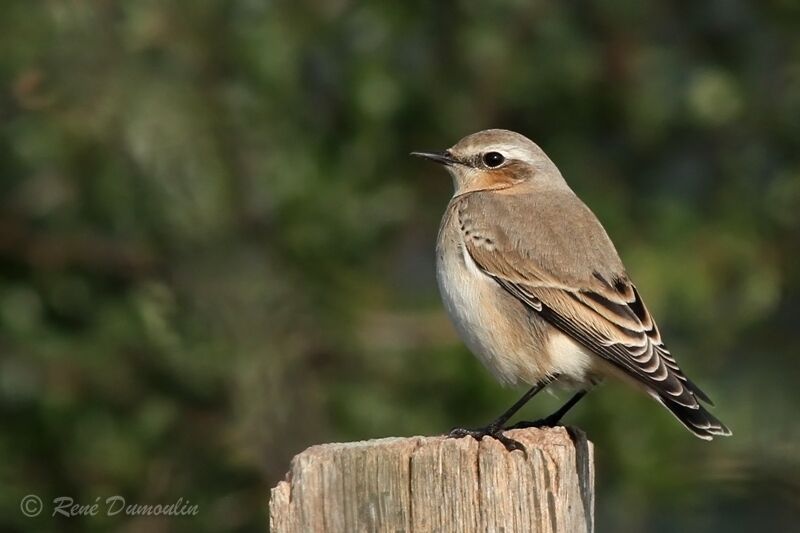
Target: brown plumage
x=535, y=286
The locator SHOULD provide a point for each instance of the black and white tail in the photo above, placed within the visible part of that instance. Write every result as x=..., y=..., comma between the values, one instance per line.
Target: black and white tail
x=697, y=419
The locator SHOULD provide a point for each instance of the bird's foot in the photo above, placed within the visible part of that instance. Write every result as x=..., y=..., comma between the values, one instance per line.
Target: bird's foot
x=546, y=422
x=491, y=430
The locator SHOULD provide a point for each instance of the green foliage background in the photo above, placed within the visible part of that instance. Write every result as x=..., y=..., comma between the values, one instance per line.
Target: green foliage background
x=214, y=250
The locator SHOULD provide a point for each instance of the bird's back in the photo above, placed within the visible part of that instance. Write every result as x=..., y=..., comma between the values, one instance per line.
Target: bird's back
x=552, y=229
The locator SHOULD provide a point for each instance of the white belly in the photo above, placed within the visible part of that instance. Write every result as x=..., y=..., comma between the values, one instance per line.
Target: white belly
x=501, y=340
x=500, y=331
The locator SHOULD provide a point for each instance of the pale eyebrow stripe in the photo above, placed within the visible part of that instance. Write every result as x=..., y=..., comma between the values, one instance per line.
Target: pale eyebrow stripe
x=511, y=152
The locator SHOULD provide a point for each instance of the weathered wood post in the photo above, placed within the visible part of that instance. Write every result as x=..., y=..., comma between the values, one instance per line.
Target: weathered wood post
x=433, y=484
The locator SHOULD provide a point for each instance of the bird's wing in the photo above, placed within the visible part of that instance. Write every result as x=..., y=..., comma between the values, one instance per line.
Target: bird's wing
x=574, y=279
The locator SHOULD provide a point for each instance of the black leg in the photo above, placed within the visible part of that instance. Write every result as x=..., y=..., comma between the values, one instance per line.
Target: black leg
x=495, y=428
x=553, y=419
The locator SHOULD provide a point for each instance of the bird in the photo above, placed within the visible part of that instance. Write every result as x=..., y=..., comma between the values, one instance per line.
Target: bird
x=537, y=291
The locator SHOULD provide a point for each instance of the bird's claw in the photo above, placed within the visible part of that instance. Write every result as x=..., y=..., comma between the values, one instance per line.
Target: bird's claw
x=489, y=431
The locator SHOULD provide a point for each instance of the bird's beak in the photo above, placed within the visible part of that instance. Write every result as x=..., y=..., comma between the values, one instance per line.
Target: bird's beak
x=443, y=158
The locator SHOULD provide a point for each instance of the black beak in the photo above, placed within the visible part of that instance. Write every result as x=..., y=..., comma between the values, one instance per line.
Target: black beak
x=443, y=158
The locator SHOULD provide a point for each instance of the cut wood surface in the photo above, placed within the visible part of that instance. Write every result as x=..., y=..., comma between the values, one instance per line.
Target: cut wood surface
x=422, y=484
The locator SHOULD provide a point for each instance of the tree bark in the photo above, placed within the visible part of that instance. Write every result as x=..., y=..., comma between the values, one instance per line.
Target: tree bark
x=434, y=484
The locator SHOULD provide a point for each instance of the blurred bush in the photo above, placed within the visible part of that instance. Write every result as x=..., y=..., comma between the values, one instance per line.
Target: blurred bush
x=214, y=250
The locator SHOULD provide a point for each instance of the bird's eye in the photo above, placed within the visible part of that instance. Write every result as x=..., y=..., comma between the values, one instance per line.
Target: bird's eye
x=493, y=159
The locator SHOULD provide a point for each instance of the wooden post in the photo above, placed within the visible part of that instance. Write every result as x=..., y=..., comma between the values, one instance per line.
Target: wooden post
x=433, y=484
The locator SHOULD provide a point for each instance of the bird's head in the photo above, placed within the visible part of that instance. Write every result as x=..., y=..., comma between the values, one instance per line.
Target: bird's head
x=495, y=160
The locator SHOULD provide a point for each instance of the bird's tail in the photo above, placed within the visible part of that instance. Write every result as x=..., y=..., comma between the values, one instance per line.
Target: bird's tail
x=696, y=419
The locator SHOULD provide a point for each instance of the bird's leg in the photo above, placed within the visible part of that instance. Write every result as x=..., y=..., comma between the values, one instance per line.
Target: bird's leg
x=495, y=428
x=553, y=419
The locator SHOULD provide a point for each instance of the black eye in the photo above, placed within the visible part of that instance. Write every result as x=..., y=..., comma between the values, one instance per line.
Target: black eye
x=493, y=159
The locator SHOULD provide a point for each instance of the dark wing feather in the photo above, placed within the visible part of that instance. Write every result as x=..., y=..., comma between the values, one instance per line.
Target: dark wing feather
x=614, y=332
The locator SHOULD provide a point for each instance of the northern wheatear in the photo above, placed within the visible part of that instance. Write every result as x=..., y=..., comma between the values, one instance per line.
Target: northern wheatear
x=537, y=291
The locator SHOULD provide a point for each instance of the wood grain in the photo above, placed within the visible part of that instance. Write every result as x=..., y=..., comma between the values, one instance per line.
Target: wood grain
x=434, y=484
